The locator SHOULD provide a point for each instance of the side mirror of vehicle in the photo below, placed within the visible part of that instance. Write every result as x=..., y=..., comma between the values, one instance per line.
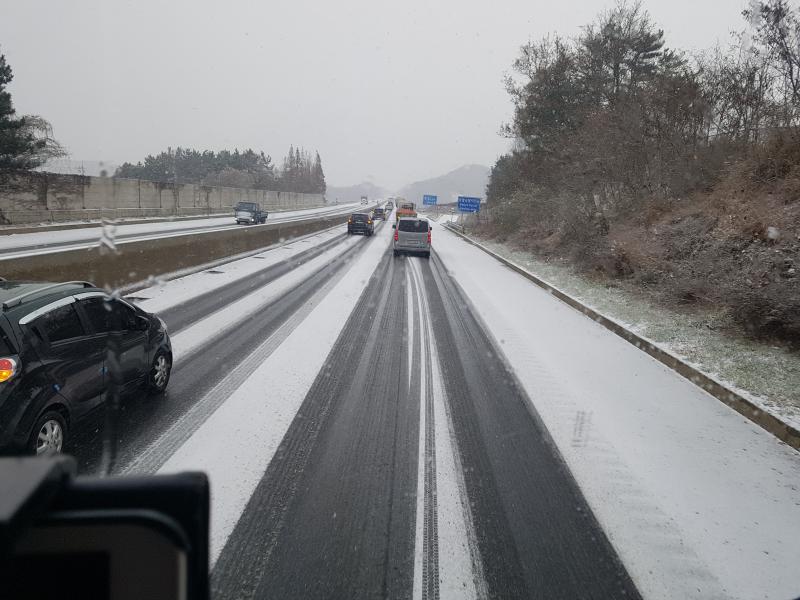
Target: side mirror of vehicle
x=394, y=225
x=142, y=323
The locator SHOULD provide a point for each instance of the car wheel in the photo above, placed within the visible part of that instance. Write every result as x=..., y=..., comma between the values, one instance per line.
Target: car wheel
x=49, y=434
x=427, y=255
x=158, y=377
x=396, y=253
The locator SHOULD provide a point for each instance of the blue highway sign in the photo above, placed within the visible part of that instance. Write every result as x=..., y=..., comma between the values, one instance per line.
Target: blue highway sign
x=468, y=204
x=428, y=199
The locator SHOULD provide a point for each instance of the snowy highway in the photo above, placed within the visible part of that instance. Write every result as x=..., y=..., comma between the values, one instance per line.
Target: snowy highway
x=18, y=245
x=409, y=428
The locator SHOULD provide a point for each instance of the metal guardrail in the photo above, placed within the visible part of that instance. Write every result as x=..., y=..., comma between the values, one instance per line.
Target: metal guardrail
x=767, y=421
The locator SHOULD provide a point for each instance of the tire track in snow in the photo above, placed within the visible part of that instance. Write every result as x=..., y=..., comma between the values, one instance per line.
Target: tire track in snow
x=448, y=564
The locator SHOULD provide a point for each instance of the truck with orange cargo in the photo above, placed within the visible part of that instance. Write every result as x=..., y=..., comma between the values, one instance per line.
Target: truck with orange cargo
x=405, y=209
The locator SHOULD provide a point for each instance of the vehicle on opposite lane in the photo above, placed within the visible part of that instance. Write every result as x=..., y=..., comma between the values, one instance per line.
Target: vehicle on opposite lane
x=412, y=236
x=54, y=369
x=250, y=212
x=360, y=223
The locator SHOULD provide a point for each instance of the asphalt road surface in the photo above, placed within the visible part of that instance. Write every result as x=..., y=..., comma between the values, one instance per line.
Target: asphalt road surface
x=415, y=466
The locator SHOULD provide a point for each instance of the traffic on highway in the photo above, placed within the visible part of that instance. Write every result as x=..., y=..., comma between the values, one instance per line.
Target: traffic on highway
x=365, y=413
x=419, y=301
x=60, y=239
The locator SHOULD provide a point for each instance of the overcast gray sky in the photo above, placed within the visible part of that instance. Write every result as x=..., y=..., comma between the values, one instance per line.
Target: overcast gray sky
x=387, y=92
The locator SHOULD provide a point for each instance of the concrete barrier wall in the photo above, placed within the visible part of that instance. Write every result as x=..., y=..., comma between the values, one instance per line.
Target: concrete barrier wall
x=35, y=197
x=136, y=261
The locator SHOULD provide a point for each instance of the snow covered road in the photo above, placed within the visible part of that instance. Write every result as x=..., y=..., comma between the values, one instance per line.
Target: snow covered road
x=443, y=428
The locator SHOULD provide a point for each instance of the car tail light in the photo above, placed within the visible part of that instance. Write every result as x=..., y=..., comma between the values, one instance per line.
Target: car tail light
x=429, y=236
x=8, y=368
x=396, y=236
x=369, y=222
x=349, y=220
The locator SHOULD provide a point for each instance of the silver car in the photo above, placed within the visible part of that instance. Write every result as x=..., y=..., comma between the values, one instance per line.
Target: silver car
x=412, y=235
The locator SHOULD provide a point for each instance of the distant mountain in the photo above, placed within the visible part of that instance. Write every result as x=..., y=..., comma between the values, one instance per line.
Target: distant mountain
x=353, y=193
x=469, y=180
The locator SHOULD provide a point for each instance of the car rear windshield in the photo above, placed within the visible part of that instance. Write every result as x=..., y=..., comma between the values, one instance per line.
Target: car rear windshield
x=245, y=206
x=360, y=218
x=415, y=226
x=378, y=210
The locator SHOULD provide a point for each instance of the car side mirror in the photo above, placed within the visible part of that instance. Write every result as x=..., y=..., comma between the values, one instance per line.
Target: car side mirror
x=394, y=225
x=142, y=323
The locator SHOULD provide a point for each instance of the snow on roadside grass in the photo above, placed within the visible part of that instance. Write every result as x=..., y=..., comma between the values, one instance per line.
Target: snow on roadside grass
x=768, y=375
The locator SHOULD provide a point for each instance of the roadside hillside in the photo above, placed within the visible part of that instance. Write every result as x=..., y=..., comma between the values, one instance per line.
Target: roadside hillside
x=676, y=174
x=733, y=250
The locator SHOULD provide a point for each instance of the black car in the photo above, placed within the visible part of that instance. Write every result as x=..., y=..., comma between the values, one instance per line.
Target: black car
x=360, y=223
x=250, y=213
x=378, y=213
x=53, y=369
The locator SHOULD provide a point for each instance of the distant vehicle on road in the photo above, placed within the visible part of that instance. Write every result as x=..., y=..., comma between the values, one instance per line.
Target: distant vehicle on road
x=379, y=213
x=360, y=223
x=412, y=236
x=250, y=213
x=53, y=367
x=364, y=200
x=389, y=207
x=405, y=209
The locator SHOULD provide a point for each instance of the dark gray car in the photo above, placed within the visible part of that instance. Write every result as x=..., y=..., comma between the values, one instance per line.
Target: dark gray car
x=54, y=362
